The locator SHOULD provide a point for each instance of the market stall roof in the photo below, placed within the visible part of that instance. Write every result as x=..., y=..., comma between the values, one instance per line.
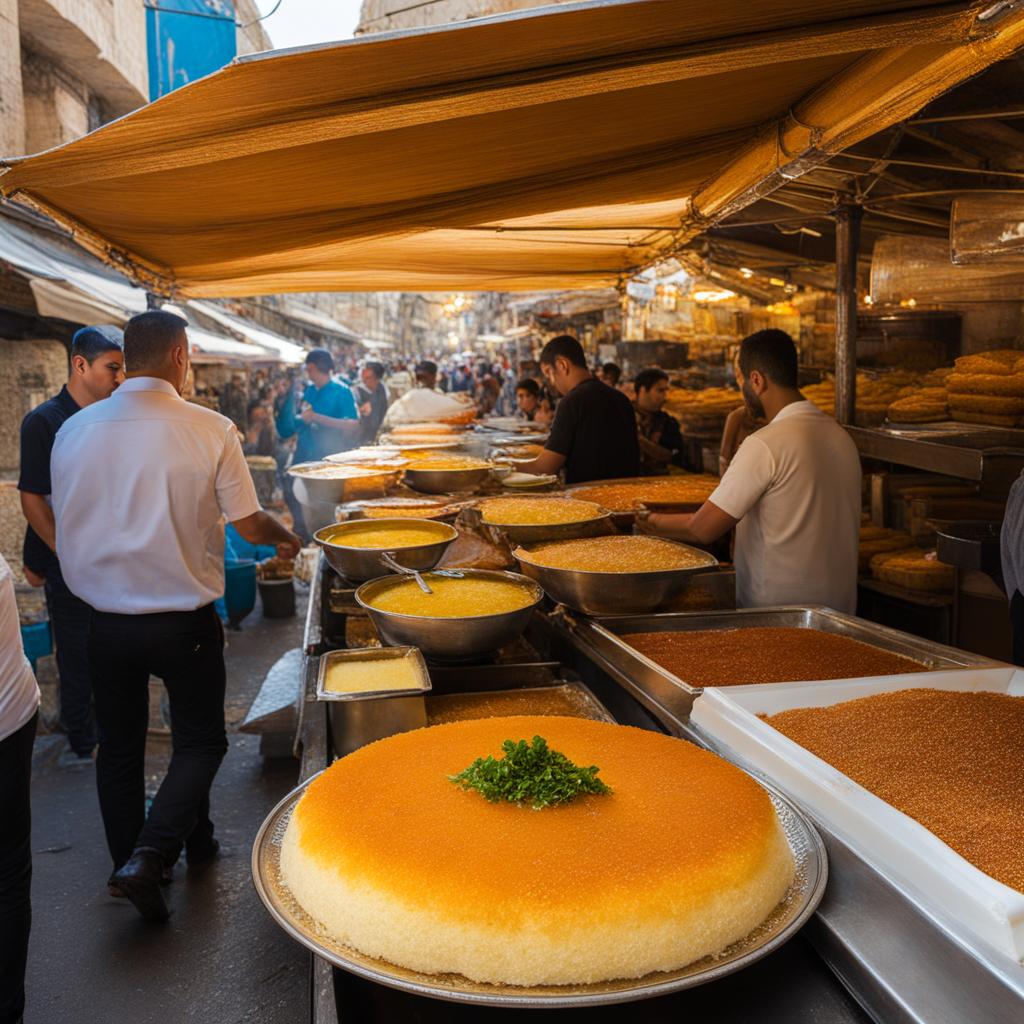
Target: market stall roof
x=226, y=349
x=66, y=284
x=561, y=147
x=283, y=350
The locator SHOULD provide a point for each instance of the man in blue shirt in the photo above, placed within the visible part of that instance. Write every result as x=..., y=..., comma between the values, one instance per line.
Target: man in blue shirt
x=328, y=420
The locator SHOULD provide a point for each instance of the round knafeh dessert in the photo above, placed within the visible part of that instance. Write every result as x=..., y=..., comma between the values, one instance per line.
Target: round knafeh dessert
x=682, y=858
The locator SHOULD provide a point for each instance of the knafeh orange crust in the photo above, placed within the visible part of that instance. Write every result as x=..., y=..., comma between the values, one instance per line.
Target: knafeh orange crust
x=683, y=858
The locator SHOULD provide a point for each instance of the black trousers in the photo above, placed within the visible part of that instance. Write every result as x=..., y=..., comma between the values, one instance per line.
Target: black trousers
x=15, y=868
x=69, y=618
x=1017, y=626
x=185, y=650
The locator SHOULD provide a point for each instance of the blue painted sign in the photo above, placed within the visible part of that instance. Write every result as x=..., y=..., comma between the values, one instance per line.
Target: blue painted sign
x=186, y=40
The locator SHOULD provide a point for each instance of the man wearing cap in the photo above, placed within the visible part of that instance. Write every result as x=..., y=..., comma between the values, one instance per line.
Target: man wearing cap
x=141, y=541
x=328, y=420
x=97, y=368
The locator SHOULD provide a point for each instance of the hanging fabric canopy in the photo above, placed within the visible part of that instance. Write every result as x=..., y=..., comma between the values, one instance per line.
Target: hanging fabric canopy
x=556, y=148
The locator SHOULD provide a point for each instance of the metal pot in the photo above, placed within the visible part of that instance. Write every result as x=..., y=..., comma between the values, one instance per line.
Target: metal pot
x=450, y=639
x=446, y=481
x=358, y=563
x=611, y=593
x=341, y=488
x=531, y=533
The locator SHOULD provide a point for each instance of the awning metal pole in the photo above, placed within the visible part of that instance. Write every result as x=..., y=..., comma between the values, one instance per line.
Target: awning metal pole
x=848, y=217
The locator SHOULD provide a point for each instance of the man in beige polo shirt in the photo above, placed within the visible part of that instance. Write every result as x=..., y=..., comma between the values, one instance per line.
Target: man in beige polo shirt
x=793, y=492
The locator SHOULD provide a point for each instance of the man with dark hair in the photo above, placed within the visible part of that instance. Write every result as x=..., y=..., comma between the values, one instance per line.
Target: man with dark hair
x=426, y=374
x=328, y=420
x=372, y=399
x=594, y=431
x=531, y=402
x=144, y=547
x=259, y=429
x=661, y=440
x=793, y=488
x=97, y=368
x=610, y=374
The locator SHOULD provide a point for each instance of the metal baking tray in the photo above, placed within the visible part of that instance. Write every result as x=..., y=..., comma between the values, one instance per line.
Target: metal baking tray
x=792, y=913
x=577, y=699
x=602, y=637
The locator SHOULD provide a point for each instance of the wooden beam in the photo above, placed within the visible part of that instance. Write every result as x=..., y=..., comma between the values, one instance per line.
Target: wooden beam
x=848, y=217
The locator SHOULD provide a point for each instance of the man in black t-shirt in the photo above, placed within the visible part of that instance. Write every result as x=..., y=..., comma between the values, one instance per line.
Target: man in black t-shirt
x=594, y=431
x=97, y=367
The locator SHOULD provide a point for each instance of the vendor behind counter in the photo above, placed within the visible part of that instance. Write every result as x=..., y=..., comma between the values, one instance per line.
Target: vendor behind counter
x=594, y=435
x=793, y=492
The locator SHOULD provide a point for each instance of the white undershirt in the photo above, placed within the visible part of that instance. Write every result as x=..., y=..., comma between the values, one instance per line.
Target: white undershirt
x=795, y=486
x=142, y=483
x=19, y=691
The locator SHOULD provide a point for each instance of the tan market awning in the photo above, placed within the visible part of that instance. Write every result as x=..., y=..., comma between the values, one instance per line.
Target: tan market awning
x=557, y=148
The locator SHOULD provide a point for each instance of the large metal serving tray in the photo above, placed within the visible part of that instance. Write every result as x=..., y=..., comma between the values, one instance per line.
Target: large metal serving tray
x=602, y=636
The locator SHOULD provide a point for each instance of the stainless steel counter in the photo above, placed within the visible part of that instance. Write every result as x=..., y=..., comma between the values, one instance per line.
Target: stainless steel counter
x=990, y=456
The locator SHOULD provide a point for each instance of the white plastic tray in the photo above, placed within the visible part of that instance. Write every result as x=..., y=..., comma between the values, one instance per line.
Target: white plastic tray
x=963, y=899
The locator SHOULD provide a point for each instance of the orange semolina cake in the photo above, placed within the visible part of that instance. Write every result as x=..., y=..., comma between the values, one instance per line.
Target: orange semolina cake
x=683, y=857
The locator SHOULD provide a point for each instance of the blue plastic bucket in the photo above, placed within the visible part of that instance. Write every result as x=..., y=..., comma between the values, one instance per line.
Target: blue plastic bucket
x=37, y=641
x=239, y=591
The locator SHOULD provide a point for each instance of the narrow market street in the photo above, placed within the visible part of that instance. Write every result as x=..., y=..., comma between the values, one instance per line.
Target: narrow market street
x=220, y=958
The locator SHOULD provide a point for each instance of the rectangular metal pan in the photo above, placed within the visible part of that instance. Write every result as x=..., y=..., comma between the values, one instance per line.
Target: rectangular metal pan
x=603, y=636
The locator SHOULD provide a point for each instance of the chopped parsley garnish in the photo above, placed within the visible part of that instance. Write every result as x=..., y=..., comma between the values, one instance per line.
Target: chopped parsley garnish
x=530, y=773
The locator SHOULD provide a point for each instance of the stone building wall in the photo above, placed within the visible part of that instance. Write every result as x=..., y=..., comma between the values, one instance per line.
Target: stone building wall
x=67, y=66
x=385, y=15
x=30, y=372
x=12, y=106
x=251, y=36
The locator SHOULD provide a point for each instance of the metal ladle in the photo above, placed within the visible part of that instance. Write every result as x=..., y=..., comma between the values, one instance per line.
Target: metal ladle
x=388, y=558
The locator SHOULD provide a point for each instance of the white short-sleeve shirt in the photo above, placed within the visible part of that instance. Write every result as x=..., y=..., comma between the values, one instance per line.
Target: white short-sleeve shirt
x=19, y=691
x=795, y=486
x=142, y=483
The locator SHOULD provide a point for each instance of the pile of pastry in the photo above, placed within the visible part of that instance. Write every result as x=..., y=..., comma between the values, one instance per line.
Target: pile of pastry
x=699, y=410
x=988, y=388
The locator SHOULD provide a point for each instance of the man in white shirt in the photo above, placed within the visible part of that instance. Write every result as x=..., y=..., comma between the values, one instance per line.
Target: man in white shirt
x=19, y=707
x=141, y=540
x=793, y=492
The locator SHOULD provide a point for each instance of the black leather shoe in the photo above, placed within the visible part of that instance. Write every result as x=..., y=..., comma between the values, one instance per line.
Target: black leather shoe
x=165, y=879
x=139, y=880
x=199, y=863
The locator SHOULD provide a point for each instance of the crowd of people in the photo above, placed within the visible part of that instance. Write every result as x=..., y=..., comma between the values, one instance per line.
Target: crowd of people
x=132, y=557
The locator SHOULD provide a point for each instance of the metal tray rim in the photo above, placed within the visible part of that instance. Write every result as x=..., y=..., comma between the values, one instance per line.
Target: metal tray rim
x=950, y=657
x=383, y=653
x=817, y=872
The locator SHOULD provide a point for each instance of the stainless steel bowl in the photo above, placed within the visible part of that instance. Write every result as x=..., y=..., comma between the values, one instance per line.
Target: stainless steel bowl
x=446, y=481
x=449, y=639
x=341, y=488
x=359, y=564
x=612, y=593
x=519, y=533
